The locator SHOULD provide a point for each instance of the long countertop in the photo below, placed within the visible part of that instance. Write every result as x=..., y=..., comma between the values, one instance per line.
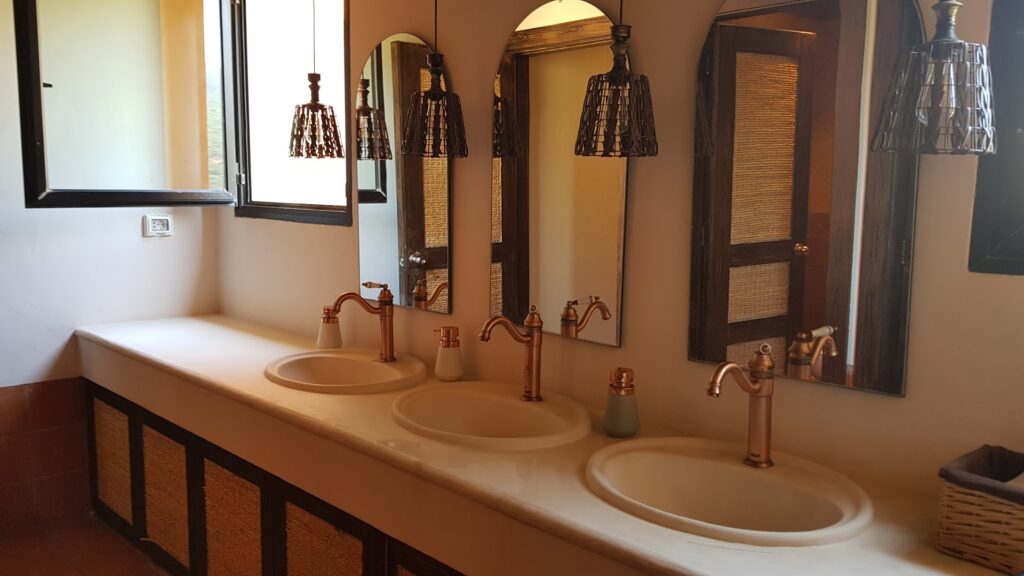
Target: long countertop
x=545, y=489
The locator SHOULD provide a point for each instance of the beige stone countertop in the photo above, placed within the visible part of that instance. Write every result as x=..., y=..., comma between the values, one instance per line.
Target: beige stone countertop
x=545, y=489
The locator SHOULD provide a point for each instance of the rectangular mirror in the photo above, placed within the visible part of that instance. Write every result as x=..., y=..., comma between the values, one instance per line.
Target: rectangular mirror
x=558, y=220
x=122, y=95
x=802, y=237
x=404, y=201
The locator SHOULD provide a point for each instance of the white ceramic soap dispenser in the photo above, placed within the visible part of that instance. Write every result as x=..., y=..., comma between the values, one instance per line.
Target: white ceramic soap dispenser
x=449, y=355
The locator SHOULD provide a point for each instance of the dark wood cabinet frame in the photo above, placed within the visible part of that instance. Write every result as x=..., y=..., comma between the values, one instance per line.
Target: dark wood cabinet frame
x=381, y=553
x=38, y=193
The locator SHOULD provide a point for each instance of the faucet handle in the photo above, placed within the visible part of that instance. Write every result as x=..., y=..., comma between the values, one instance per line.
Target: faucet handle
x=762, y=366
x=374, y=285
x=385, y=296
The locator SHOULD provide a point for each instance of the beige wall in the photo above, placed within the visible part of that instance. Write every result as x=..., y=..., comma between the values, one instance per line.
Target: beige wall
x=62, y=268
x=184, y=84
x=962, y=390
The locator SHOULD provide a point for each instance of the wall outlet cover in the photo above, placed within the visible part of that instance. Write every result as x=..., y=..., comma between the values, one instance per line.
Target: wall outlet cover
x=156, y=225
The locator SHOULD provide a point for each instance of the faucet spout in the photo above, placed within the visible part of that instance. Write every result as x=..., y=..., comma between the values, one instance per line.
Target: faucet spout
x=532, y=336
x=385, y=310
x=573, y=324
x=760, y=385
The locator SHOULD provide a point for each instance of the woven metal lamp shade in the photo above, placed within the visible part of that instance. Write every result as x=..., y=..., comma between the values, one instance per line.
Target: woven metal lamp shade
x=506, y=142
x=315, y=128
x=433, y=125
x=940, y=97
x=372, y=142
x=618, y=115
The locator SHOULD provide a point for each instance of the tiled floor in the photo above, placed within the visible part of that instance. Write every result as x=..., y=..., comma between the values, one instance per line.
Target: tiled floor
x=80, y=547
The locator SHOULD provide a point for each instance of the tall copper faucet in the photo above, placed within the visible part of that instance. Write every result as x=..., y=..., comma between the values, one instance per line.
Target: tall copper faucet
x=761, y=386
x=806, y=353
x=572, y=324
x=385, y=310
x=422, y=299
x=532, y=335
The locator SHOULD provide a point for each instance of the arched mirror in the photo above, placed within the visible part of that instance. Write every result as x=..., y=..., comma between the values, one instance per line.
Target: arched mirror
x=802, y=237
x=557, y=221
x=404, y=201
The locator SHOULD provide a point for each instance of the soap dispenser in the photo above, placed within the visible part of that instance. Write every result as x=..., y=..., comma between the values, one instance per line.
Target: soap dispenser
x=329, y=335
x=448, y=367
x=620, y=416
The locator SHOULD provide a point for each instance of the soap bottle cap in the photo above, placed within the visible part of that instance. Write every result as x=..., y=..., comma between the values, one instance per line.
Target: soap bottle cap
x=621, y=382
x=449, y=336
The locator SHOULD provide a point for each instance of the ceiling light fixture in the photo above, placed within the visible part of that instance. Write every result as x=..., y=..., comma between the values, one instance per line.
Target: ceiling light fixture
x=940, y=97
x=618, y=114
x=315, y=127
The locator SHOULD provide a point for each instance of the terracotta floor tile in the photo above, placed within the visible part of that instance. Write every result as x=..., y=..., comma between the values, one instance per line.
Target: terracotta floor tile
x=17, y=508
x=57, y=403
x=96, y=550
x=32, y=556
x=63, y=496
x=59, y=450
x=15, y=459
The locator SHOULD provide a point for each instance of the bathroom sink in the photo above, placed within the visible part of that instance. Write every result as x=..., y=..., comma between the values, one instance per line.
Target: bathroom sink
x=703, y=487
x=490, y=415
x=345, y=371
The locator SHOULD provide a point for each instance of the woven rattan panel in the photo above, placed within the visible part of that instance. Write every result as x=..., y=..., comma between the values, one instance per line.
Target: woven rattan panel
x=113, y=460
x=434, y=278
x=742, y=353
x=763, y=147
x=981, y=528
x=317, y=548
x=497, y=303
x=166, y=494
x=496, y=207
x=232, y=524
x=760, y=291
x=435, y=202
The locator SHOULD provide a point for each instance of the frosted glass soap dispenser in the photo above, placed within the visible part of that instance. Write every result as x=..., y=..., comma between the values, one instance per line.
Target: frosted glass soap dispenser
x=620, y=415
x=448, y=367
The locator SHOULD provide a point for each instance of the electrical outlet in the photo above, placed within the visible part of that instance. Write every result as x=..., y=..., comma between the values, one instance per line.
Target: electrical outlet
x=154, y=225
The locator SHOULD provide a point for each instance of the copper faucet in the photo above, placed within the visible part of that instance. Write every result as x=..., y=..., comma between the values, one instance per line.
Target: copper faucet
x=806, y=353
x=385, y=310
x=572, y=324
x=421, y=299
x=533, y=337
x=760, y=385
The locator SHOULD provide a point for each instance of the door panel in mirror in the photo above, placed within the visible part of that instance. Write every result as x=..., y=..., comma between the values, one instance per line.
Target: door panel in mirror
x=557, y=219
x=405, y=201
x=796, y=226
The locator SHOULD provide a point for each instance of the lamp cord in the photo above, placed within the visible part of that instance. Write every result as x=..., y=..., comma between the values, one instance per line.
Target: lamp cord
x=621, y=2
x=435, y=27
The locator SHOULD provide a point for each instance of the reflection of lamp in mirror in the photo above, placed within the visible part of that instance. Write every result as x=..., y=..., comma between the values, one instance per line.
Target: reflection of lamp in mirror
x=618, y=115
x=315, y=127
x=940, y=97
x=573, y=324
x=506, y=143
x=434, y=127
x=372, y=141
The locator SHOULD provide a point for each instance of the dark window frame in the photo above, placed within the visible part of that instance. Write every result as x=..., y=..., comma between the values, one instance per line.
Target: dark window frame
x=997, y=228
x=246, y=207
x=38, y=194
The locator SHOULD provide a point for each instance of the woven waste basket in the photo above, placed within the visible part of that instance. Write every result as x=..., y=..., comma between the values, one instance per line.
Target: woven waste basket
x=981, y=510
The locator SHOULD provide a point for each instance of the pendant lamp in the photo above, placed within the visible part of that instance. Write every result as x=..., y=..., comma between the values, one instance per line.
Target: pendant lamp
x=940, y=97
x=315, y=127
x=506, y=143
x=372, y=142
x=618, y=115
x=433, y=125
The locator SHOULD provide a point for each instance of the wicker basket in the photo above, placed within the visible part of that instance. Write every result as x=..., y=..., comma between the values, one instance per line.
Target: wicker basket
x=981, y=516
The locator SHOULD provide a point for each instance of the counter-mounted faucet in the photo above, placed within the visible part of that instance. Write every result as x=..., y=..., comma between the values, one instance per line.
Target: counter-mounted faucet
x=533, y=337
x=422, y=299
x=573, y=324
x=761, y=386
x=806, y=353
x=385, y=310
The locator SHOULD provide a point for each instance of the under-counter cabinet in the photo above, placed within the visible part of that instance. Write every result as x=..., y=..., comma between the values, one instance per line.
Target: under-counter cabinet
x=199, y=510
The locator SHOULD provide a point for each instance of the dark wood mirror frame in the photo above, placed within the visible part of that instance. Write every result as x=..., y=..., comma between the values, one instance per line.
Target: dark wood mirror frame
x=886, y=250
x=38, y=194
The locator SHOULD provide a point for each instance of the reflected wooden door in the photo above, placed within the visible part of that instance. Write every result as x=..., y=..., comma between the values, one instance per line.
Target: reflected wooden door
x=423, y=190
x=755, y=212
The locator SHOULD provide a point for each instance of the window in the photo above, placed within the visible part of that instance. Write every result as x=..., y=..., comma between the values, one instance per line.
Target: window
x=997, y=234
x=273, y=51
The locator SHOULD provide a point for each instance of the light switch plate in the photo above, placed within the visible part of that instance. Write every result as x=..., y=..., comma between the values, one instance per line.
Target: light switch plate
x=154, y=225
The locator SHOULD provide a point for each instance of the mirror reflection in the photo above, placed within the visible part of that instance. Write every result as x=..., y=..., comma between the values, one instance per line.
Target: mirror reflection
x=557, y=219
x=132, y=94
x=802, y=238
x=404, y=201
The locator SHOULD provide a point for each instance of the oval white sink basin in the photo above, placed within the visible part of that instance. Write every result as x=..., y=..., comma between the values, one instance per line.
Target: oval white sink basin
x=345, y=371
x=490, y=415
x=703, y=487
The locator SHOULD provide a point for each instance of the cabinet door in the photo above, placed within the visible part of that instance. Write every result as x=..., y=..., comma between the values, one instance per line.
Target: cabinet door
x=233, y=508
x=320, y=540
x=404, y=560
x=112, y=445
